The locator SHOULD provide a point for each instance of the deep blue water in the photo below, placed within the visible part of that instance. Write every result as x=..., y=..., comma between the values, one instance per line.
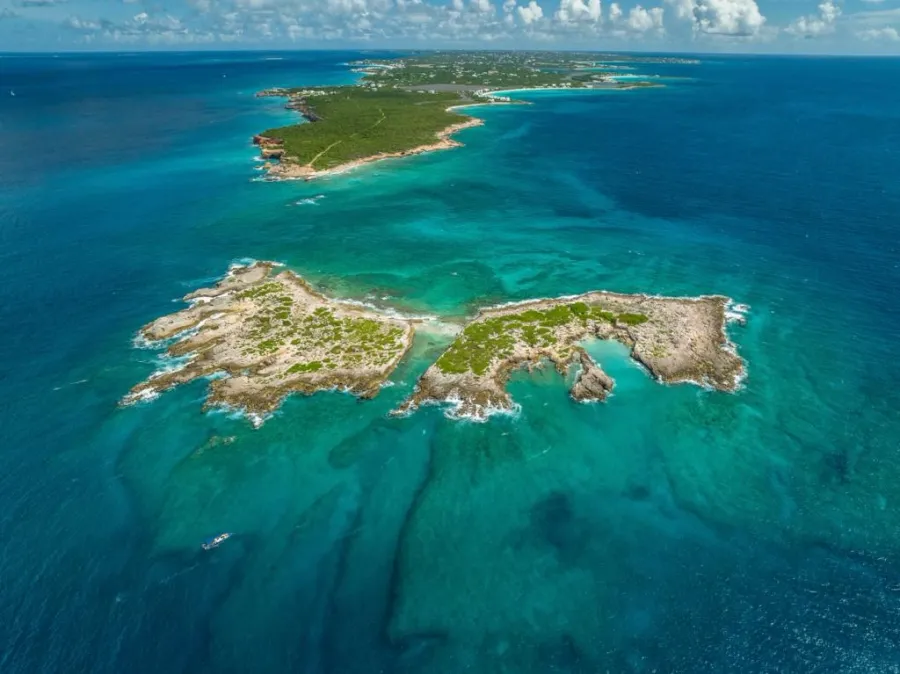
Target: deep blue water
x=669, y=530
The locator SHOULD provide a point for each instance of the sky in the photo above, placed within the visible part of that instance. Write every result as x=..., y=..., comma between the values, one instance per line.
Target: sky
x=765, y=26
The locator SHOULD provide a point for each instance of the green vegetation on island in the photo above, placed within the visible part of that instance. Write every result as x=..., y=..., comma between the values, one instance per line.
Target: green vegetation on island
x=676, y=339
x=358, y=122
x=491, y=339
x=262, y=333
x=405, y=105
x=270, y=334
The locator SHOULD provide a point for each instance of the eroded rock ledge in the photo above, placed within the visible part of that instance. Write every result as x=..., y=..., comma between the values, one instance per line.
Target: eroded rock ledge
x=676, y=339
x=265, y=333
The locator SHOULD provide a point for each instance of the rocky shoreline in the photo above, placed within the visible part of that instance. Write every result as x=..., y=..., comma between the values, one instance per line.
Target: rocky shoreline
x=676, y=339
x=261, y=334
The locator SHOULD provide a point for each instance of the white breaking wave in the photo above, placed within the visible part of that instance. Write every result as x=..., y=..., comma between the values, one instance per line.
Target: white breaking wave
x=311, y=201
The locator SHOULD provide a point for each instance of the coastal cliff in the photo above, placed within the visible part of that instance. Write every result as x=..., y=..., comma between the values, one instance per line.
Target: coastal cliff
x=676, y=339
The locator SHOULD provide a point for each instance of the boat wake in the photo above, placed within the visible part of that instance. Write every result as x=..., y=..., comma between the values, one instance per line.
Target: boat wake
x=216, y=541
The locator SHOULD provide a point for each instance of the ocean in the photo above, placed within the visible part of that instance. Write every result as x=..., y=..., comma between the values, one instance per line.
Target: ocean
x=670, y=529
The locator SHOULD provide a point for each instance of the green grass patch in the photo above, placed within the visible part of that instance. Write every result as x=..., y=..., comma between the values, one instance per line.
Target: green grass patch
x=481, y=343
x=298, y=368
x=632, y=319
x=268, y=346
x=260, y=291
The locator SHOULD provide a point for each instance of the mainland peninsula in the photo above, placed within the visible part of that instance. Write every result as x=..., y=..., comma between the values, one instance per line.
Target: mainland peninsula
x=411, y=105
x=263, y=333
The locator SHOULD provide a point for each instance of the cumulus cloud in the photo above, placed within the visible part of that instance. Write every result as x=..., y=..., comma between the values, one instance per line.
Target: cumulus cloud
x=573, y=11
x=615, y=12
x=530, y=13
x=409, y=22
x=731, y=18
x=814, y=25
x=638, y=20
x=642, y=20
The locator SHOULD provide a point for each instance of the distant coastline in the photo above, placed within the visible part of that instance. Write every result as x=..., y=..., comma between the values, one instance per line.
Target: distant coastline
x=289, y=170
x=408, y=107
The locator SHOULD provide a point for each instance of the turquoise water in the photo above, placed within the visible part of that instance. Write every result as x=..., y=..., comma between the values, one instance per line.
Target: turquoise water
x=670, y=529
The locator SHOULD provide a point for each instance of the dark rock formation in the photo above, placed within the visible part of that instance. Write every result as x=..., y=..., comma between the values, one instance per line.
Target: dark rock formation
x=592, y=384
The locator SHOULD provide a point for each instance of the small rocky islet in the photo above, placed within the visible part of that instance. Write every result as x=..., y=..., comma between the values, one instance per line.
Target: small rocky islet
x=263, y=332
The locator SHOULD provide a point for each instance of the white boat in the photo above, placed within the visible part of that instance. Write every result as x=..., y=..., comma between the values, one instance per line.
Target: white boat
x=216, y=542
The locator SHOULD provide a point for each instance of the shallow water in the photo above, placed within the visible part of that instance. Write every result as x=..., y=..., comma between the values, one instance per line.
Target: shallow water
x=670, y=529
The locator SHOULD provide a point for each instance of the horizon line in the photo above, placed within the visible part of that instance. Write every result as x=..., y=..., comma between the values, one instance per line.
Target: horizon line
x=680, y=52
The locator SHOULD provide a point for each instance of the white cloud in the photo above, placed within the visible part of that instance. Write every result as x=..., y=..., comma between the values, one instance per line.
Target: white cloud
x=642, y=20
x=733, y=18
x=615, y=12
x=888, y=33
x=814, y=25
x=77, y=23
x=684, y=9
x=572, y=11
x=347, y=6
x=428, y=23
x=637, y=21
x=830, y=11
x=530, y=13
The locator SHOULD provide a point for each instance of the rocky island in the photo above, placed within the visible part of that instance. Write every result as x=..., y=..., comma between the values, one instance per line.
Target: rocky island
x=261, y=334
x=409, y=105
x=676, y=339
